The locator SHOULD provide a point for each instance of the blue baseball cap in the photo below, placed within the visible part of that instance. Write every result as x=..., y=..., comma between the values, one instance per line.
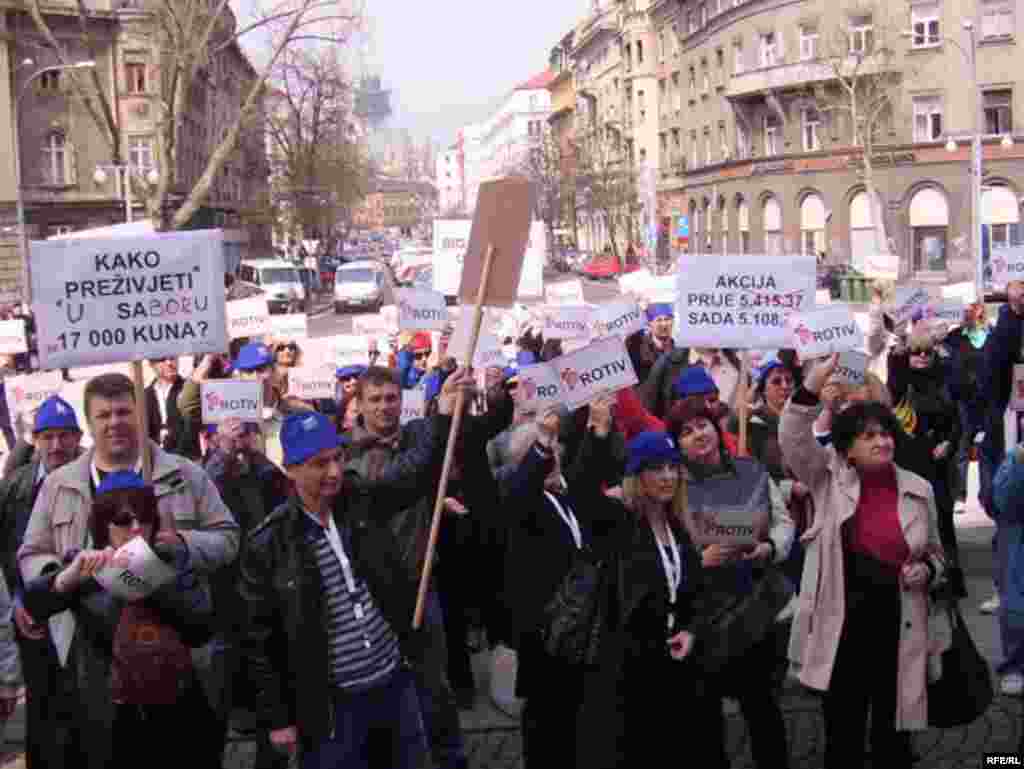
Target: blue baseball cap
x=660, y=310
x=55, y=413
x=253, y=356
x=525, y=358
x=119, y=481
x=651, y=448
x=694, y=380
x=350, y=372
x=305, y=434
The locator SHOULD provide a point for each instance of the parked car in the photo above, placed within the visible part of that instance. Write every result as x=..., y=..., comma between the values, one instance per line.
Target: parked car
x=608, y=266
x=280, y=281
x=359, y=284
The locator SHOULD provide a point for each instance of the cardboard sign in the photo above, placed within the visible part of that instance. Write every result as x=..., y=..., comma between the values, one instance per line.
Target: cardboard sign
x=102, y=300
x=907, y=299
x=25, y=393
x=414, y=405
x=852, y=367
x=1017, y=394
x=12, y=337
x=825, y=331
x=488, y=347
x=312, y=383
x=882, y=266
x=741, y=300
x=1007, y=265
x=565, y=292
x=539, y=385
x=724, y=526
x=289, y=326
x=600, y=368
x=226, y=398
x=965, y=292
x=136, y=571
x=620, y=318
x=420, y=309
x=502, y=222
x=381, y=324
x=248, y=318
x=566, y=322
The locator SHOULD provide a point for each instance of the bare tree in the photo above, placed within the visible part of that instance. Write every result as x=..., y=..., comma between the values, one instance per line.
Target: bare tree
x=544, y=164
x=606, y=182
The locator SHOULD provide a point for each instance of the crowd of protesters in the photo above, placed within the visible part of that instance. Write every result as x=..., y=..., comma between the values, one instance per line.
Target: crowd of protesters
x=290, y=611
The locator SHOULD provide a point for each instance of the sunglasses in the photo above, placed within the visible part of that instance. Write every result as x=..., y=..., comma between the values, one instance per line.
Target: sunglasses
x=927, y=352
x=125, y=518
x=421, y=355
x=290, y=346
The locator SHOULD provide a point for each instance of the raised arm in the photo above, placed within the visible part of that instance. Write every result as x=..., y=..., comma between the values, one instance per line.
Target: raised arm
x=801, y=451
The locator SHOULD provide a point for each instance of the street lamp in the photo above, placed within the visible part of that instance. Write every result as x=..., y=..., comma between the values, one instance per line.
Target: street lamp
x=124, y=180
x=18, y=198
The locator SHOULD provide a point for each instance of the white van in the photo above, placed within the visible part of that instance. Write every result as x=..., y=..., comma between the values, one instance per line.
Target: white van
x=279, y=280
x=359, y=284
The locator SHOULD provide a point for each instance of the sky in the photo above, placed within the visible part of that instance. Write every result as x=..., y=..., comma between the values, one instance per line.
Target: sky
x=451, y=62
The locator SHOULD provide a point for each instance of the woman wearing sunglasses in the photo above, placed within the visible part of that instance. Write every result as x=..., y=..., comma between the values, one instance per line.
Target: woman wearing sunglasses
x=133, y=682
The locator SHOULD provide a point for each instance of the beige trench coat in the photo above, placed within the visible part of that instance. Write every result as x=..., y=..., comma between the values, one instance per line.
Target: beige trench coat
x=821, y=604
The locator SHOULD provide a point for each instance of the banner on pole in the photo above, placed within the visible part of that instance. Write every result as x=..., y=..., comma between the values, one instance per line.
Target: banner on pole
x=226, y=398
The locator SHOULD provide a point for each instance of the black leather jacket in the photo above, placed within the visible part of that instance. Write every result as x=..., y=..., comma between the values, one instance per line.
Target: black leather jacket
x=285, y=643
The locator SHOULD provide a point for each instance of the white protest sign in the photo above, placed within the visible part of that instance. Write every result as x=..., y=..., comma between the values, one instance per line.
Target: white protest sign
x=567, y=322
x=951, y=312
x=539, y=384
x=289, y=326
x=347, y=350
x=312, y=383
x=882, y=266
x=420, y=309
x=451, y=239
x=25, y=393
x=1017, y=394
x=1007, y=265
x=664, y=288
x=741, y=300
x=637, y=283
x=852, y=367
x=825, y=331
x=488, y=347
x=531, y=280
x=226, y=398
x=101, y=300
x=620, y=317
x=965, y=292
x=565, y=292
x=135, y=571
x=906, y=299
x=822, y=297
x=382, y=323
x=414, y=405
x=248, y=317
x=723, y=526
x=599, y=368
x=12, y=337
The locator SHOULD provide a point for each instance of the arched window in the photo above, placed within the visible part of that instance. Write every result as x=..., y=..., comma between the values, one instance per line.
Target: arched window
x=862, y=231
x=772, y=217
x=708, y=214
x=743, y=225
x=725, y=226
x=929, y=224
x=57, y=160
x=1000, y=211
x=812, y=225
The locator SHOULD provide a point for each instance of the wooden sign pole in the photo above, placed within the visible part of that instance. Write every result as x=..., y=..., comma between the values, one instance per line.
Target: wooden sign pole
x=449, y=452
x=743, y=403
x=142, y=420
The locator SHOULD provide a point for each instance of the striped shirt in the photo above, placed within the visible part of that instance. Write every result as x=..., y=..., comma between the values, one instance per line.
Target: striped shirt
x=362, y=649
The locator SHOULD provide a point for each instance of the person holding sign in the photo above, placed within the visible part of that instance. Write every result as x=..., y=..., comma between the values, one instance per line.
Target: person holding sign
x=645, y=347
x=135, y=678
x=872, y=554
x=735, y=512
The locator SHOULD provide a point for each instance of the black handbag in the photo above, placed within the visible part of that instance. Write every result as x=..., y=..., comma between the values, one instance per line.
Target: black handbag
x=574, y=619
x=965, y=690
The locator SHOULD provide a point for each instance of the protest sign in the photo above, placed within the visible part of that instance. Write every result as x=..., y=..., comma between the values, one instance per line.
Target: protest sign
x=12, y=337
x=664, y=288
x=135, y=571
x=248, y=318
x=822, y=296
x=950, y=311
x=965, y=292
x=741, y=300
x=103, y=300
x=600, y=368
x=421, y=309
x=451, y=238
x=620, y=317
x=26, y=392
x=1017, y=394
x=565, y=292
x=567, y=322
x=289, y=326
x=538, y=385
x=852, y=367
x=531, y=280
x=488, y=349
x=825, y=331
x=724, y=526
x=906, y=299
x=226, y=398
x=882, y=266
x=380, y=324
x=414, y=405
x=346, y=350
x=1007, y=265
x=312, y=383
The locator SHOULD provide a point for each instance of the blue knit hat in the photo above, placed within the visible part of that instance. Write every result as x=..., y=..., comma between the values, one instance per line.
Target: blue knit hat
x=660, y=309
x=122, y=479
x=55, y=413
x=305, y=434
x=253, y=356
x=766, y=368
x=525, y=358
x=694, y=380
x=350, y=372
x=651, y=448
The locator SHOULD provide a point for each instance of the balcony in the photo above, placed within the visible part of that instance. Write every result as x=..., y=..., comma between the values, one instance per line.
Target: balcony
x=788, y=76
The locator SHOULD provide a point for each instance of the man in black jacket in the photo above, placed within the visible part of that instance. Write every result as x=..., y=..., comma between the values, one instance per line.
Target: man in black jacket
x=330, y=601
x=162, y=403
x=57, y=439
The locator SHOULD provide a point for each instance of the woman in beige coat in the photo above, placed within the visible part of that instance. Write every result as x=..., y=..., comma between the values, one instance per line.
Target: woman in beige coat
x=861, y=632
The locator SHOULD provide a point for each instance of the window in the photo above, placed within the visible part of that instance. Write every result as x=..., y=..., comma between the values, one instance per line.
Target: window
x=927, y=118
x=772, y=214
x=704, y=79
x=49, y=81
x=627, y=57
x=996, y=18
x=998, y=112
x=725, y=226
x=677, y=93
x=1001, y=214
x=771, y=135
x=643, y=155
x=708, y=155
x=662, y=98
x=812, y=225
x=675, y=41
x=929, y=223
x=808, y=43
x=723, y=141
x=663, y=144
x=135, y=77
x=140, y=152
x=693, y=79
x=677, y=147
x=693, y=149
x=810, y=122
x=862, y=231
x=862, y=35
x=924, y=19
x=661, y=46
x=742, y=141
x=56, y=169
x=743, y=222
x=641, y=106
x=769, y=49
x=639, y=52
x=737, y=58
